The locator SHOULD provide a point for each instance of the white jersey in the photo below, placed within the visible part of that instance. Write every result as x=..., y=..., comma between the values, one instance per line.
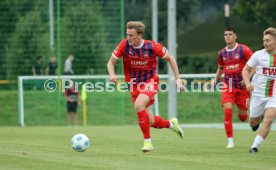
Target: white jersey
x=264, y=78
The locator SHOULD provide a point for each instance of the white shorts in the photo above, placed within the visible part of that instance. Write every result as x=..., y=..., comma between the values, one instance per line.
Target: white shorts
x=259, y=104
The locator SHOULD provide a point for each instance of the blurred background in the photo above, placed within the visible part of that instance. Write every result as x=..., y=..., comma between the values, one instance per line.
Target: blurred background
x=90, y=30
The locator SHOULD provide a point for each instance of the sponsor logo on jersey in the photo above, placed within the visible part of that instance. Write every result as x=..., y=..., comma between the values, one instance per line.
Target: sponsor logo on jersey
x=232, y=66
x=139, y=63
x=237, y=56
x=146, y=54
x=269, y=71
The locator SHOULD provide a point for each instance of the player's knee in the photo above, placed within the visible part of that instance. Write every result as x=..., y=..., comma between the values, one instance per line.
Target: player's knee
x=228, y=105
x=268, y=120
x=139, y=106
x=243, y=117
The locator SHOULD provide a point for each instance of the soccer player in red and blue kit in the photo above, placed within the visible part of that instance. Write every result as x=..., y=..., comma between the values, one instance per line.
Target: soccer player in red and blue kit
x=140, y=62
x=231, y=60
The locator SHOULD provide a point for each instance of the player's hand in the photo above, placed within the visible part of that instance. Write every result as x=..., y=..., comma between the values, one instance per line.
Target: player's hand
x=242, y=83
x=179, y=84
x=213, y=82
x=113, y=78
x=249, y=87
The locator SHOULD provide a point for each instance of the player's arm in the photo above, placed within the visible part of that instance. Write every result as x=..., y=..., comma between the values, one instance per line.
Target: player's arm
x=111, y=68
x=220, y=69
x=252, y=72
x=174, y=67
x=247, y=53
x=219, y=72
x=67, y=98
x=246, y=77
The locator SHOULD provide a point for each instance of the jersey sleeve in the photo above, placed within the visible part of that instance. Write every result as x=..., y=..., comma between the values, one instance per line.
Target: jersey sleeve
x=247, y=53
x=160, y=50
x=119, y=50
x=253, y=61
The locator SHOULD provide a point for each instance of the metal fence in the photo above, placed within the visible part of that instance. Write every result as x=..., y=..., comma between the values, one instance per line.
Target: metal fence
x=35, y=32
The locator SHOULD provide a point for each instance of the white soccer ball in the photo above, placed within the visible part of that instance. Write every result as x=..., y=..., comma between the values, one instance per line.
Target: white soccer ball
x=80, y=142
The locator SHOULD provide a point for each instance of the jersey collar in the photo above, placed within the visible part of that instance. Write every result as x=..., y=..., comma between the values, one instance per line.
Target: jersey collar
x=140, y=46
x=232, y=48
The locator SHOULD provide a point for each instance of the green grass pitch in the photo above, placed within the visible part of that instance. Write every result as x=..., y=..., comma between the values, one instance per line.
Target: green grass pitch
x=119, y=147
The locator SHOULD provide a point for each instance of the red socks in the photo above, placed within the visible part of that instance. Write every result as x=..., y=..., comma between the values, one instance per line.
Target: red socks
x=143, y=120
x=144, y=123
x=228, y=122
x=243, y=117
x=160, y=123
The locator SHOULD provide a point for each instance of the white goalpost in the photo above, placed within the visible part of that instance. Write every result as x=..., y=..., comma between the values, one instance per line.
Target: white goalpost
x=21, y=80
x=103, y=78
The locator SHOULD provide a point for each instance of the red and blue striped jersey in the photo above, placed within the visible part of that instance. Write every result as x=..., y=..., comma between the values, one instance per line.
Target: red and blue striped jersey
x=140, y=62
x=233, y=61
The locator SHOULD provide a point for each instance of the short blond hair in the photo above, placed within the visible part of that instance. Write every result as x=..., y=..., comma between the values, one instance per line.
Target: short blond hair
x=139, y=26
x=271, y=31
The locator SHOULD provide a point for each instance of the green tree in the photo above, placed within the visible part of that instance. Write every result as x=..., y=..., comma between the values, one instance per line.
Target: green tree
x=257, y=11
x=24, y=45
x=10, y=12
x=83, y=35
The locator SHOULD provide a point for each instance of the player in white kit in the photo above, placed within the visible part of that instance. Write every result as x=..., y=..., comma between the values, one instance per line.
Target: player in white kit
x=263, y=87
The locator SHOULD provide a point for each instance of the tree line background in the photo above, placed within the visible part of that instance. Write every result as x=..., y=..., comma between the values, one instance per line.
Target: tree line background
x=90, y=30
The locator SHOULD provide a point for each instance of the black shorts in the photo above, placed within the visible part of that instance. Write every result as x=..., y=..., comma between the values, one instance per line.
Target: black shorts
x=72, y=107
